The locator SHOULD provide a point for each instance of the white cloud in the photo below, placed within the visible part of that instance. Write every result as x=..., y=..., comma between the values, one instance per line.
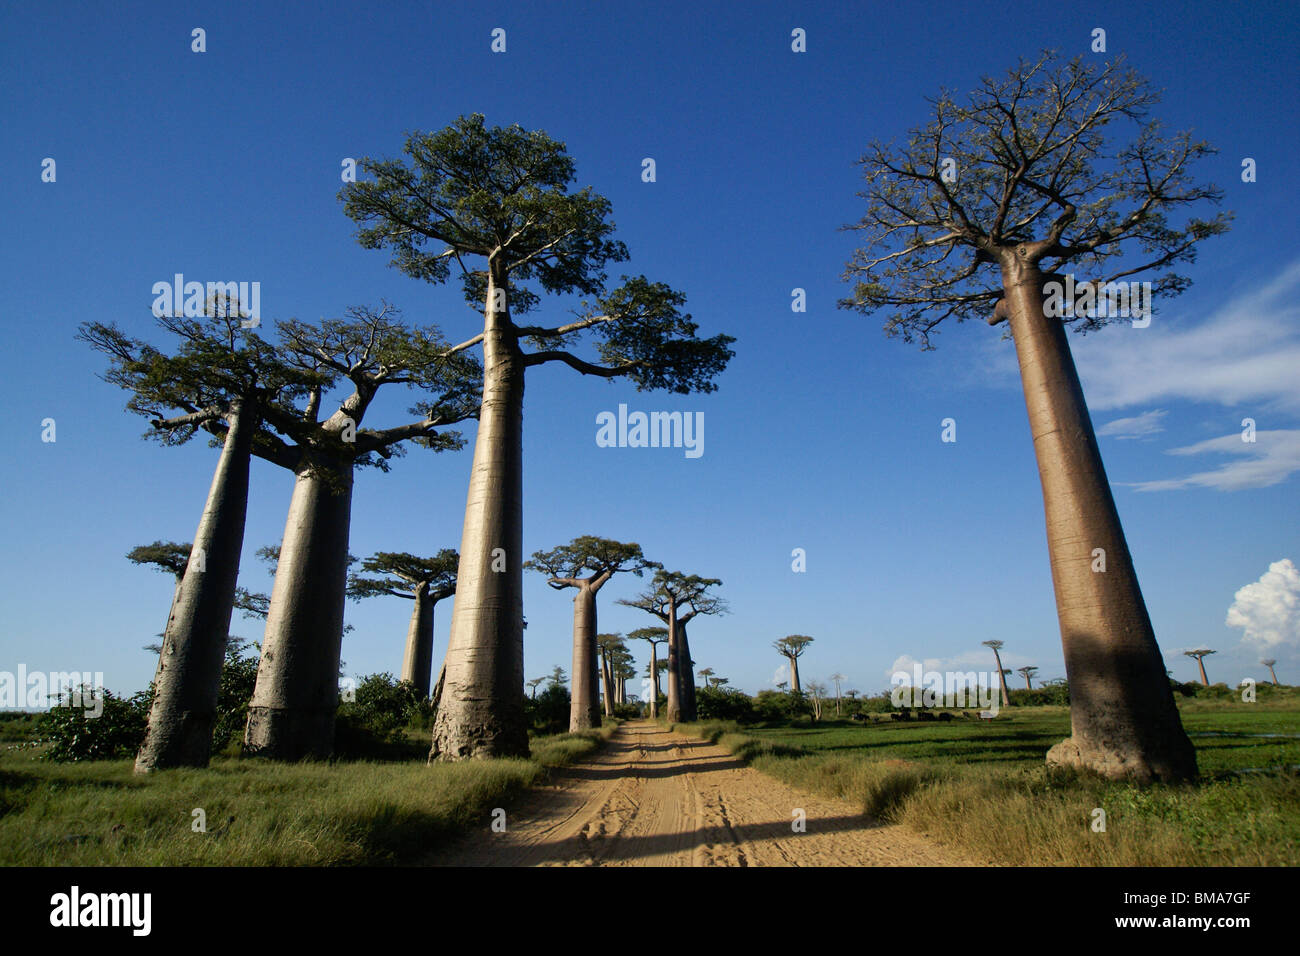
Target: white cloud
x=1139, y=426
x=1247, y=351
x=1268, y=610
x=1272, y=458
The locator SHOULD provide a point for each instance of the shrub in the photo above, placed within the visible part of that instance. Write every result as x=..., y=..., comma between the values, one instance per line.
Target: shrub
x=374, y=721
x=75, y=734
x=548, y=713
x=238, y=676
x=717, y=703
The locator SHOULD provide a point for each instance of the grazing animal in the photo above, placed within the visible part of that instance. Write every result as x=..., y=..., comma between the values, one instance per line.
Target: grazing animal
x=945, y=716
x=925, y=715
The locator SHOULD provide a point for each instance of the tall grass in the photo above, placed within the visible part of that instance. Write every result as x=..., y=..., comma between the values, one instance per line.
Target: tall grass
x=257, y=813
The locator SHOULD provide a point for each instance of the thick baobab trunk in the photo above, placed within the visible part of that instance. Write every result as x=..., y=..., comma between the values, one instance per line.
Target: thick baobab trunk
x=188, y=678
x=686, y=687
x=673, y=705
x=1273, y=674
x=584, y=707
x=1200, y=662
x=1124, y=721
x=1002, y=677
x=417, y=662
x=482, y=709
x=654, y=680
x=794, y=676
x=1028, y=686
x=295, y=699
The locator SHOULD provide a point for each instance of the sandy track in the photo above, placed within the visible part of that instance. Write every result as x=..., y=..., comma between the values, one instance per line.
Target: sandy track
x=654, y=798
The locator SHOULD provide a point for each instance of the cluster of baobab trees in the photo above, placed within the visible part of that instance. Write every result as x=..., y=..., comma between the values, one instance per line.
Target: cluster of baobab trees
x=986, y=203
x=494, y=205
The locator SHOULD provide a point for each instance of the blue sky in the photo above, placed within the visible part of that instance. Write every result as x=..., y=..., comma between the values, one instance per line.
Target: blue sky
x=824, y=435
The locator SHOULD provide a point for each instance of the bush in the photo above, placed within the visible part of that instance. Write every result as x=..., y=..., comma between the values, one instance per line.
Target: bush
x=374, y=722
x=548, y=713
x=238, y=676
x=717, y=703
x=627, y=711
x=74, y=734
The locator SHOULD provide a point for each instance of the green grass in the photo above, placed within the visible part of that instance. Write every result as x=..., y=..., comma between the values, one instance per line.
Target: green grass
x=984, y=788
x=336, y=813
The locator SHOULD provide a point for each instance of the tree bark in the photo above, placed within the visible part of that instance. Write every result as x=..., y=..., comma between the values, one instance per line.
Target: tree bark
x=794, y=676
x=184, y=709
x=605, y=681
x=417, y=662
x=1124, y=721
x=584, y=707
x=673, y=705
x=686, y=676
x=295, y=699
x=482, y=710
x=654, y=680
x=1002, y=677
x=1201, y=663
x=1273, y=673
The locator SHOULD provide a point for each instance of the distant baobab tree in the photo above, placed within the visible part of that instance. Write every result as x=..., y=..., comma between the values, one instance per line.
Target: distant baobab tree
x=586, y=564
x=1027, y=673
x=498, y=198
x=1269, y=662
x=608, y=644
x=676, y=598
x=837, y=678
x=534, y=683
x=226, y=379
x=426, y=581
x=705, y=674
x=1002, y=674
x=988, y=211
x=1200, y=654
x=792, y=648
x=654, y=636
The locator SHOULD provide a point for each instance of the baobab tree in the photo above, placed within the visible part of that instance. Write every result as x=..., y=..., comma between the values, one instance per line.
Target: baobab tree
x=226, y=379
x=1269, y=662
x=705, y=674
x=534, y=683
x=498, y=197
x=654, y=636
x=837, y=678
x=1200, y=654
x=1002, y=673
x=1027, y=673
x=586, y=564
x=425, y=581
x=621, y=667
x=169, y=556
x=668, y=594
x=985, y=205
x=792, y=648
x=607, y=644
x=294, y=703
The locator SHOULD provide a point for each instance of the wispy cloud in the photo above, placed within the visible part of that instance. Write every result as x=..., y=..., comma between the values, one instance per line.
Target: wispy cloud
x=1272, y=458
x=1139, y=426
x=1245, y=352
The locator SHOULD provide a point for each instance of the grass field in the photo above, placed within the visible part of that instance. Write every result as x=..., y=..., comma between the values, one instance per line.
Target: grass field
x=982, y=786
x=258, y=813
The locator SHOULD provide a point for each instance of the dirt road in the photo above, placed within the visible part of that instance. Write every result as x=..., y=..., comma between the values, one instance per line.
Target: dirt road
x=654, y=798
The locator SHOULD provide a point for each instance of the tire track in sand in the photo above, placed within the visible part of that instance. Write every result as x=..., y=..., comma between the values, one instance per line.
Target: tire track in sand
x=655, y=798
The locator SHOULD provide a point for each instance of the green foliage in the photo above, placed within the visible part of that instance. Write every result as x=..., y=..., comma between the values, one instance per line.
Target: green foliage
x=73, y=733
x=238, y=677
x=374, y=722
x=720, y=703
x=549, y=713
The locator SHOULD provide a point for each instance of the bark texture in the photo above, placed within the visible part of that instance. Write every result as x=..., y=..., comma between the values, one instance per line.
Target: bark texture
x=1124, y=721
x=654, y=679
x=295, y=700
x=188, y=676
x=686, y=674
x=1002, y=677
x=673, y=703
x=481, y=713
x=584, y=708
x=417, y=662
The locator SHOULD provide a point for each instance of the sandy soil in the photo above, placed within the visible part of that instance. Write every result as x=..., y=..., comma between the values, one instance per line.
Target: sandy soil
x=654, y=798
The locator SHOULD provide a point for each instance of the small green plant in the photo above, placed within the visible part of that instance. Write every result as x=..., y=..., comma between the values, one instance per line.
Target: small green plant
x=93, y=724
